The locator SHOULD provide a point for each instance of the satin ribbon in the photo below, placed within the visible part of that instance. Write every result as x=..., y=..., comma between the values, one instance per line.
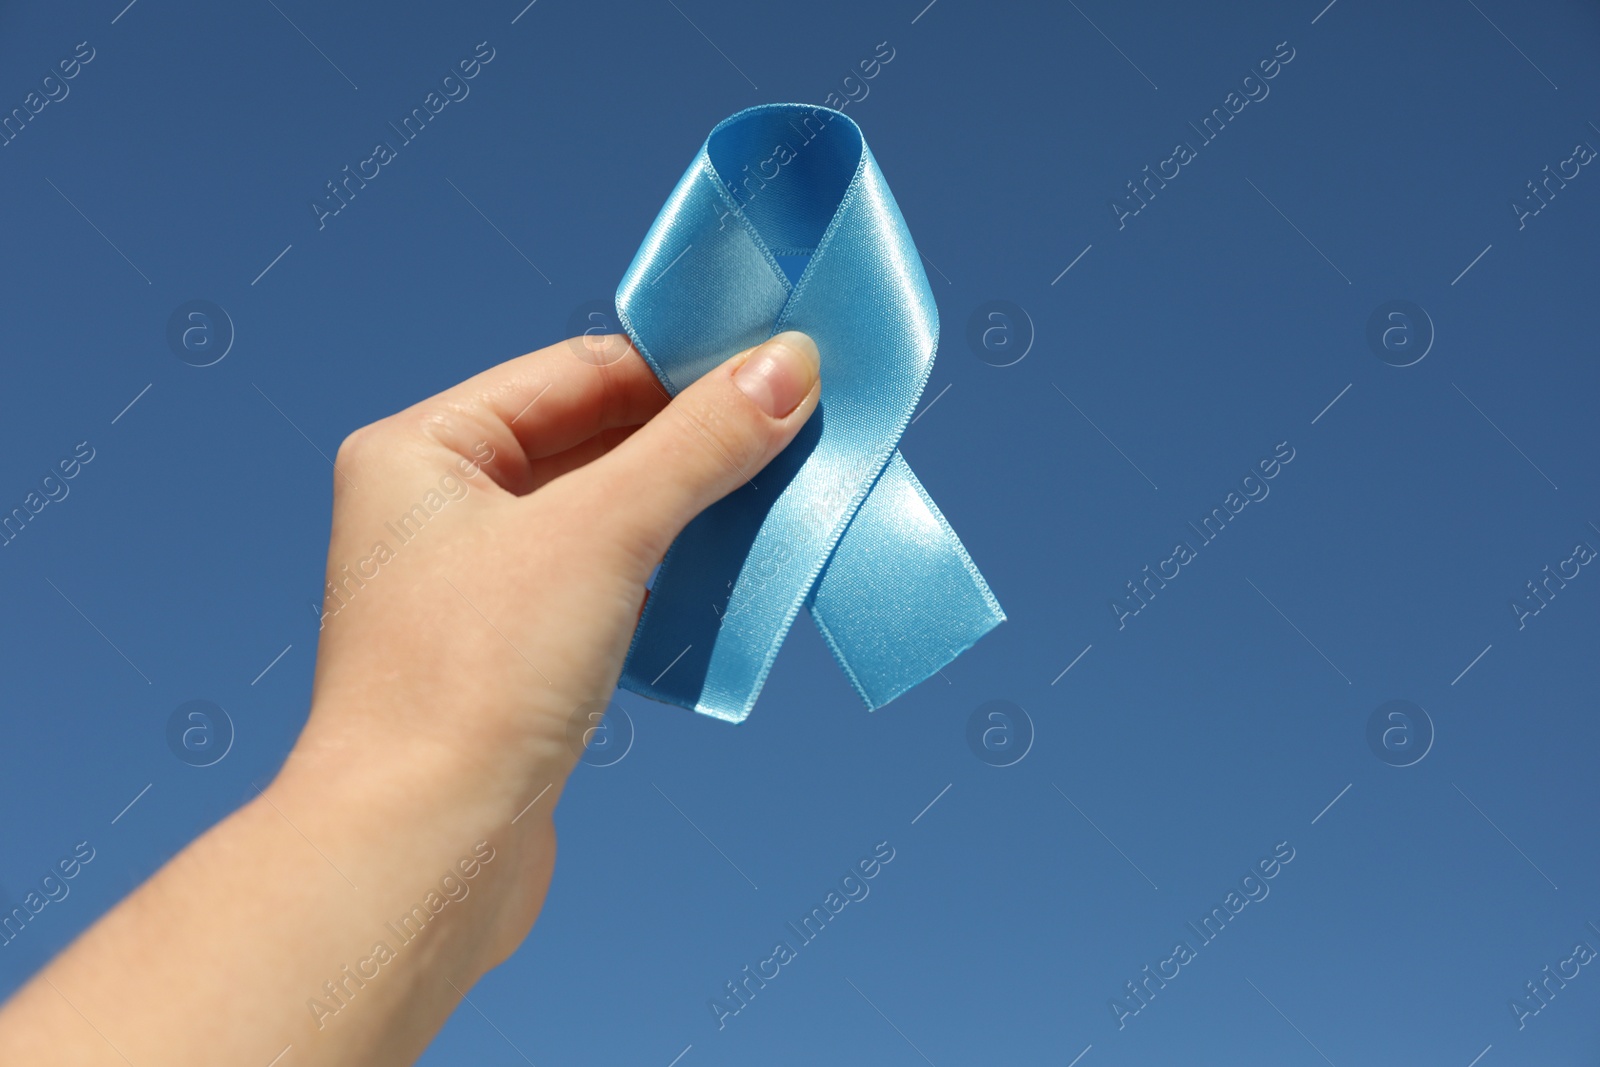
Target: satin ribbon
x=784, y=222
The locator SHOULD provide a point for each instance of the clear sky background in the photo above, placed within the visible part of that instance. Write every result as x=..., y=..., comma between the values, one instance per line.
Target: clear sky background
x=1163, y=356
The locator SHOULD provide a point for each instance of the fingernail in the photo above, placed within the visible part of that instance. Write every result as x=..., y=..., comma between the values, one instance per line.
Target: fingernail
x=780, y=373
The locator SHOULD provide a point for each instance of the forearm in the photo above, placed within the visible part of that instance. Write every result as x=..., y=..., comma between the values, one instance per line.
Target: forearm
x=343, y=911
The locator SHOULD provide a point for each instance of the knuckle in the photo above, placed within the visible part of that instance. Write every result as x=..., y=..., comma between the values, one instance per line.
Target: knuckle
x=364, y=448
x=357, y=443
x=599, y=350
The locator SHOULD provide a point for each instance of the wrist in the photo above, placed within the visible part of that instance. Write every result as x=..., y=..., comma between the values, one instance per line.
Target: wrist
x=461, y=844
x=364, y=758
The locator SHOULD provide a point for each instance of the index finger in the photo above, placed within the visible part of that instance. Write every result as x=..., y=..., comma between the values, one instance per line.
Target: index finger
x=544, y=403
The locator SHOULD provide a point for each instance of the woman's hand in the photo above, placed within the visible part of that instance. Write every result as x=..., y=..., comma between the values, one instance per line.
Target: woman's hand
x=489, y=556
x=486, y=570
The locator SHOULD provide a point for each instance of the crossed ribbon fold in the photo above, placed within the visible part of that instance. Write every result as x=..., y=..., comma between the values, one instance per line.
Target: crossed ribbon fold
x=784, y=222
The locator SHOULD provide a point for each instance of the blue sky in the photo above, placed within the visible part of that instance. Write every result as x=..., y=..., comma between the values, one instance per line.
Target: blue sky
x=1173, y=351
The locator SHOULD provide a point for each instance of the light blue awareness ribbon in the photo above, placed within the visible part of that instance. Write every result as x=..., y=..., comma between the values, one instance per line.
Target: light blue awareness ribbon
x=784, y=222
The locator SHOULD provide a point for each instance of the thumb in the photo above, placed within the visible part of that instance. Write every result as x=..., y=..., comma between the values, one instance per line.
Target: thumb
x=713, y=438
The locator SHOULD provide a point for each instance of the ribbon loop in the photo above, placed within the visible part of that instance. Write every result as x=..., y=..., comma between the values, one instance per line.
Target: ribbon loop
x=784, y=222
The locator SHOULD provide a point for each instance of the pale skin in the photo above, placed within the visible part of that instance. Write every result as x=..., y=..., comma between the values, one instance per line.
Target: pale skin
x=441, y=719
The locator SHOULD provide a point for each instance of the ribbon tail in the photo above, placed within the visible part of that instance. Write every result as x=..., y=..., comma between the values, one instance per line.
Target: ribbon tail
x=900, y=597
